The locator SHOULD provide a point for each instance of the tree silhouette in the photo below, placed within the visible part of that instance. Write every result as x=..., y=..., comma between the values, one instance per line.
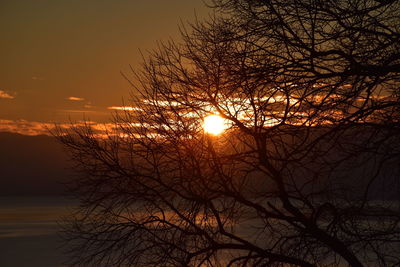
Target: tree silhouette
x=306, y=172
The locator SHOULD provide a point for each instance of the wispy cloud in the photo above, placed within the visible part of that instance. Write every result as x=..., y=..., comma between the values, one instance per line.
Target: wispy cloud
x=99, y=130
x=25, y=127
x=45, y=128
x=125, y=108
x=5, y=95
x=74, y=98
x=78, y=111
x=88, y=105
x=35, y=78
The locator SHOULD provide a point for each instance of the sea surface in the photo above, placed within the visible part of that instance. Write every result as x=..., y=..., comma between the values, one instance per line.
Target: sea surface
x=29, y=230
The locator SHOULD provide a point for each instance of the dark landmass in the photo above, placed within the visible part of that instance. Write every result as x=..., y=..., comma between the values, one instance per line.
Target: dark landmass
x=39, y=165
x=32, y=165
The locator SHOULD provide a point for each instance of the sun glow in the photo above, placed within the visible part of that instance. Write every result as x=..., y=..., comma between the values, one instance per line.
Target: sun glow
x=214, y=124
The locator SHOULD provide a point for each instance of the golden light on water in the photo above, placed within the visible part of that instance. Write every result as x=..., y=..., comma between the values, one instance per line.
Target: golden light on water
x=214, y=124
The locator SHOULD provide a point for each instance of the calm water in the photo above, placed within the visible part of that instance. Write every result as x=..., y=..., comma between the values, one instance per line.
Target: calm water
x=29, y=231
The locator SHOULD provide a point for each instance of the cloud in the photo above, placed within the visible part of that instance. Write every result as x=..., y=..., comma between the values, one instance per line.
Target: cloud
x=25, y=127
x=6, y=95
x=45, y=128
x=35, y=78
x=78, y=111
x=88, y=105
x=74, y=98
x=124, y=108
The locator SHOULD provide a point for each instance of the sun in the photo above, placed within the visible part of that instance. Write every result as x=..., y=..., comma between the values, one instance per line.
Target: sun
x=214, y=124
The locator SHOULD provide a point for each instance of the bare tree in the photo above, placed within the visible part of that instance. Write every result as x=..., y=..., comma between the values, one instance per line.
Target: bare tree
x=304, y=171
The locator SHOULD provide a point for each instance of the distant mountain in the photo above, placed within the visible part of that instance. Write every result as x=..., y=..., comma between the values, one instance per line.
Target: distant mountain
x=38, y=165
x=32, y=165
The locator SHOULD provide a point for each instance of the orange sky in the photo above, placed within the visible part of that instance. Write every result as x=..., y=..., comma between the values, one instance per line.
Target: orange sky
x=62, y=58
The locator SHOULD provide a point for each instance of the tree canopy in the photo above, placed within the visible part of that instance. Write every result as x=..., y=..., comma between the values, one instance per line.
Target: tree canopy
x=306, y=171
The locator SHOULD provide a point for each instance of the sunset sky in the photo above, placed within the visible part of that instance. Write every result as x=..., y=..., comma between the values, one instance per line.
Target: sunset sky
x=269, y=135
x=62, y=59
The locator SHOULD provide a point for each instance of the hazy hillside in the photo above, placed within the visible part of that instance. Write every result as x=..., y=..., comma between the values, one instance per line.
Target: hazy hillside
x=38, y=165
x=32, y=165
